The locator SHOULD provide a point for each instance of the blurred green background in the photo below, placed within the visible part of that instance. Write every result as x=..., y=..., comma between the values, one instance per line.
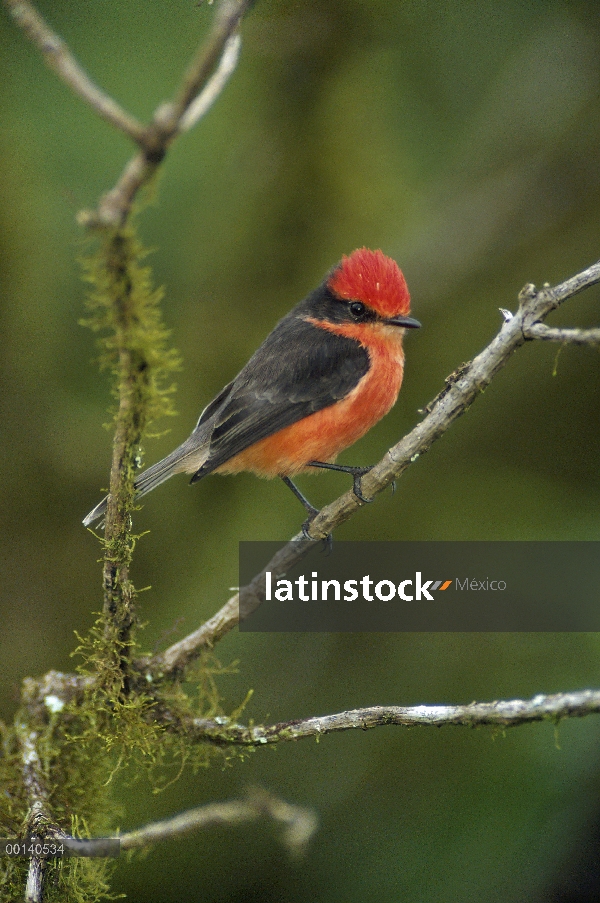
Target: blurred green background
x=462, y=139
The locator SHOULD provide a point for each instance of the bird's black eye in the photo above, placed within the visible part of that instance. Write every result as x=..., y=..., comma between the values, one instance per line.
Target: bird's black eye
x=357, y=309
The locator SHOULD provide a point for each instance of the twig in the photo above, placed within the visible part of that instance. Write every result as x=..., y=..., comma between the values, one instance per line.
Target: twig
x=59, y=58
x=565, y=336
x=116, y=204
x=37, y=816
x=199, y=89
x=175, y=659
x=462, y=388
x=508, y=713
x=300, y=823
x=200, y=106
x=226, y=21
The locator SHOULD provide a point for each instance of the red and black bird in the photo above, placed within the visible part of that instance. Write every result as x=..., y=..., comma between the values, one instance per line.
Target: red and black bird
x=329, y=370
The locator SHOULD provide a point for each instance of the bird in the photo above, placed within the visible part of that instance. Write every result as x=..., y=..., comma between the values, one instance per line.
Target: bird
x=328, y=372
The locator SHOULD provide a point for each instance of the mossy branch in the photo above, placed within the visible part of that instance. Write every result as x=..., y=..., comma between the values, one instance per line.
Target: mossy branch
x=125, y=308
x=73, y=733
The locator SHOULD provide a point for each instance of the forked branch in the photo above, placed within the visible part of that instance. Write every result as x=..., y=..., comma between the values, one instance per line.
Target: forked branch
x=205, y=78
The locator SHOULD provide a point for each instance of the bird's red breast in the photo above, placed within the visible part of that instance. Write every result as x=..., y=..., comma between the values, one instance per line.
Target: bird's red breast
x=324, y=435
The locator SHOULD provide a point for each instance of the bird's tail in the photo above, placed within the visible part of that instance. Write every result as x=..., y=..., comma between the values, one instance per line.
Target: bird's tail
x=188, y=457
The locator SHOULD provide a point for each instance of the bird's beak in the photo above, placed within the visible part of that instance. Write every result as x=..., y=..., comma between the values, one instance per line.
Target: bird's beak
x=407, y=322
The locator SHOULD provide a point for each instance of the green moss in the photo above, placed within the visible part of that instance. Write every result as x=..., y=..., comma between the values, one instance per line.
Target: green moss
x=124, y=309
x=84, y=745
x=72, y=778
x=13, y=809
x=150, y=727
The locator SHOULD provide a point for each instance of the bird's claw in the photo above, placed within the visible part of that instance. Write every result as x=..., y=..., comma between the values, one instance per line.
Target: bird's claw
x=328, y=544
x=327, y=540
x=358, y=474
x=312, y=513
x=305, y=527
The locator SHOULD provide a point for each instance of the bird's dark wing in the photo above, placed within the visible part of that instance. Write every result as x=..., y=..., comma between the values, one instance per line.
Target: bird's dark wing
x=298, y=370
x=214, y=405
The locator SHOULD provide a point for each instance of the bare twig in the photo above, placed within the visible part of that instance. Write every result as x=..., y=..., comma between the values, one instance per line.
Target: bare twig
x=116, y=204
x=175, y=659
x=59, y=58
x=565, y=336
x=226, y=21
x=461, y=389
x=204, y=101
x=503, y=714
x=300, y=823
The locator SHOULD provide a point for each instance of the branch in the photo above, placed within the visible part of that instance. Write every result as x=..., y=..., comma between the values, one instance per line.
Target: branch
x=565, y=336
x=204, y=101
x=195, y=97
x=37, y=817
x=59, y=58
x=508, y=713
x=299, y=823
x=226, y=21
x=198, y=91
x=462, y=388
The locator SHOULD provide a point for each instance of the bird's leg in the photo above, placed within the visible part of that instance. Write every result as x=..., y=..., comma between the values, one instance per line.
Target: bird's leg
x=356, y=472
x=312, y=512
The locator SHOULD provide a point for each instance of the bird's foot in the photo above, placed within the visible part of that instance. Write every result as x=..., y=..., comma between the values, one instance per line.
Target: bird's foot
x=311, y=516
x=357, y=473
x=327, y=540
x=312, y=513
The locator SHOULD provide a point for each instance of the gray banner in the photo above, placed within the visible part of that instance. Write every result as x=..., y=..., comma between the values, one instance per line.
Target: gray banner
x=423, y=586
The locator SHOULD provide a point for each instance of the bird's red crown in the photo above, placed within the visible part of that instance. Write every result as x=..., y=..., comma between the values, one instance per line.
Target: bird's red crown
x=374, y=279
